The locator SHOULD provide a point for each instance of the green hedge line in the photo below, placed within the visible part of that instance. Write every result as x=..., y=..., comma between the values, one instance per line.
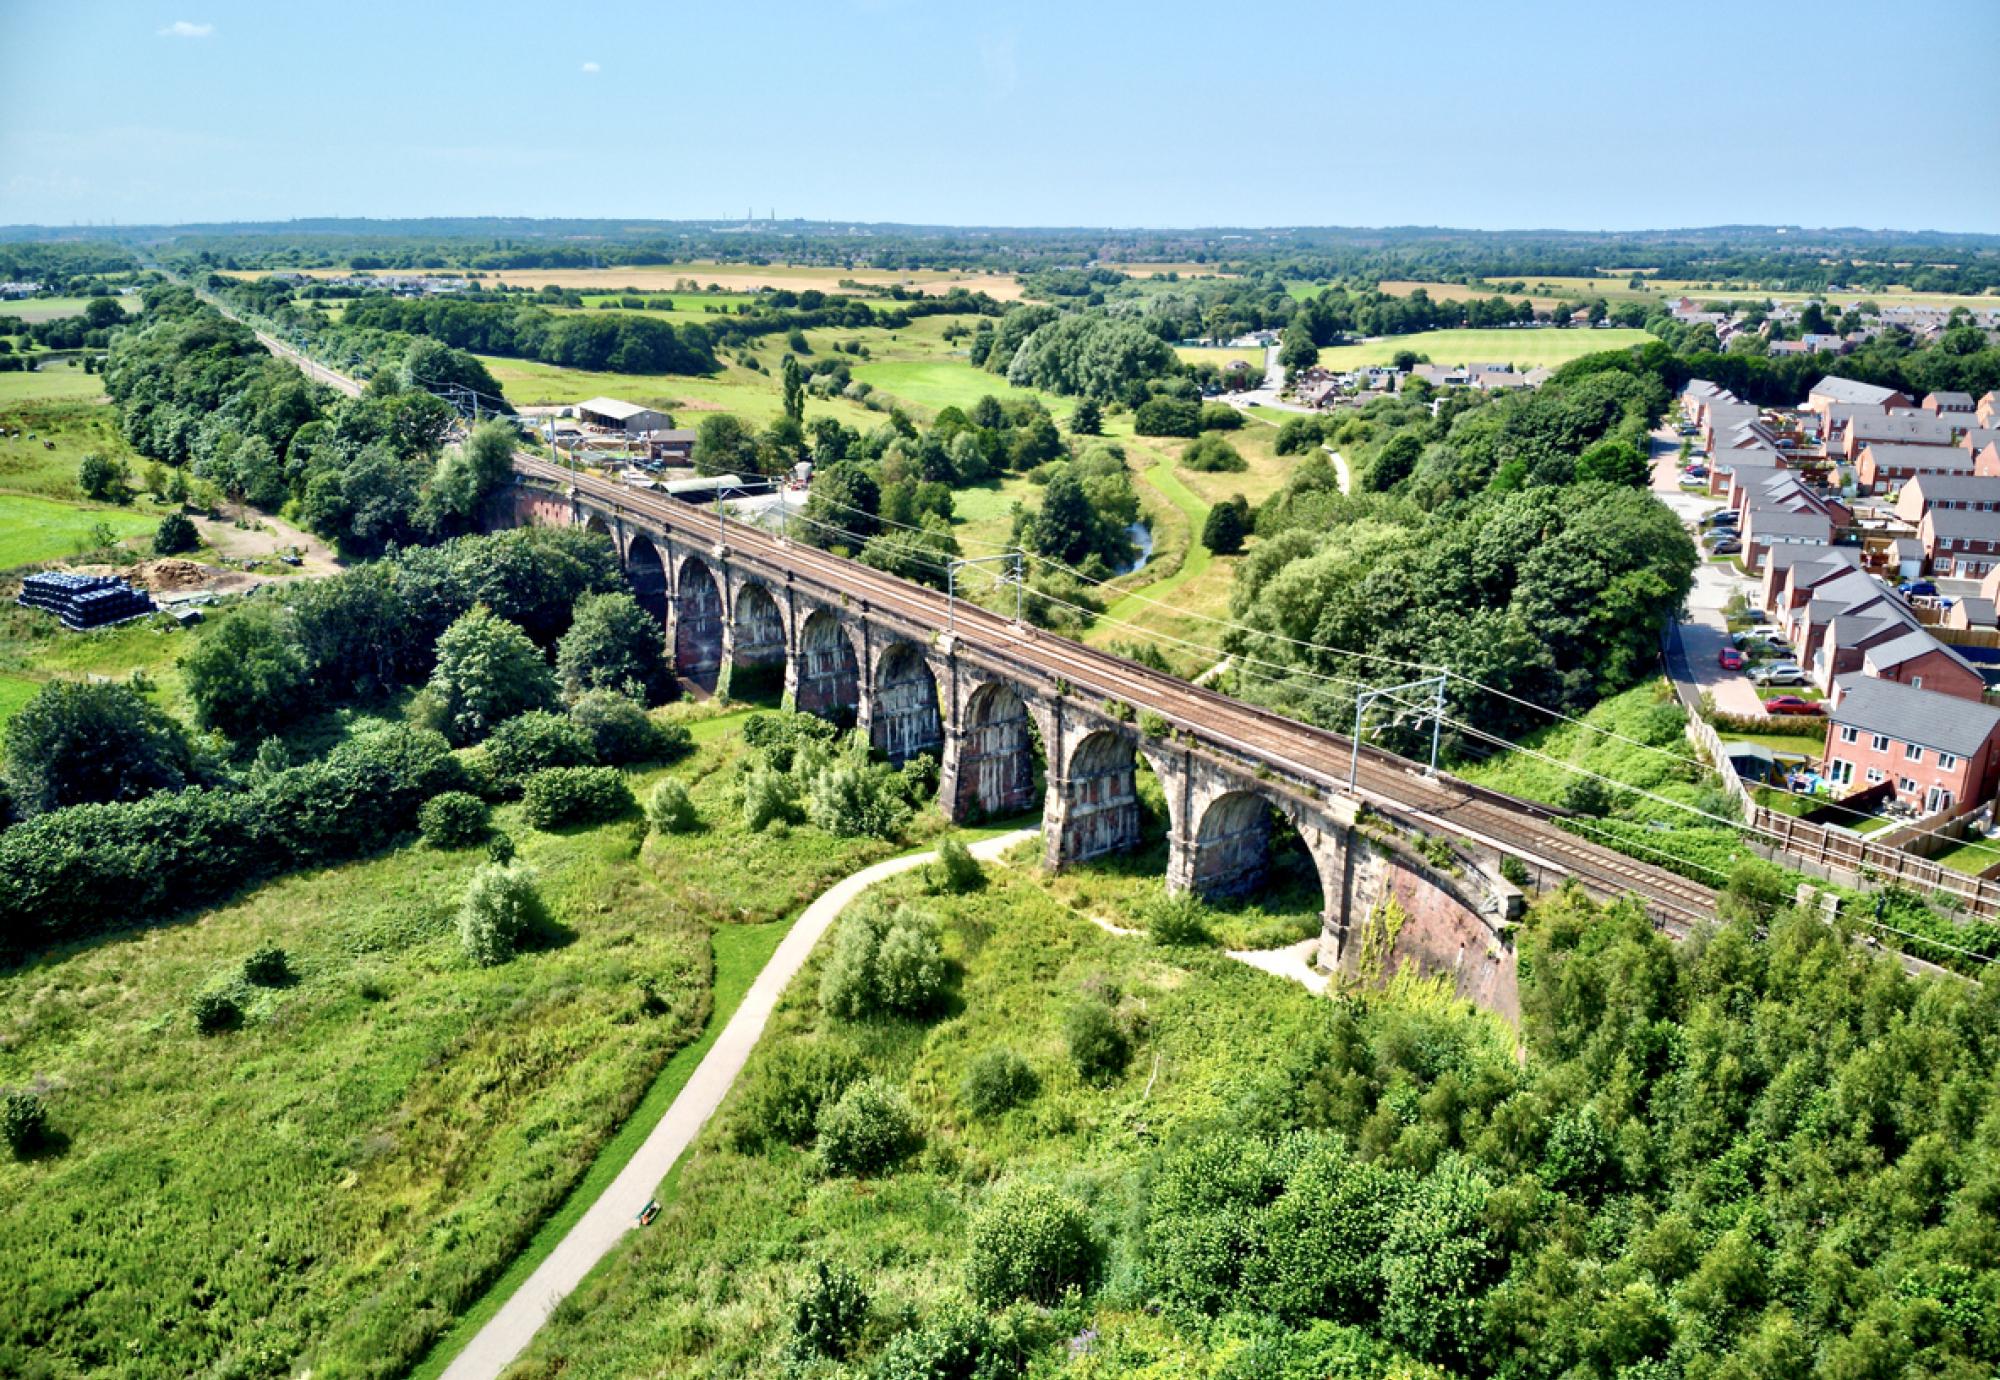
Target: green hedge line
x=94, y=867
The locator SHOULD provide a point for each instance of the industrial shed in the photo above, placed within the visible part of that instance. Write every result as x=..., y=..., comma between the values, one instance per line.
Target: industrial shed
x=622, y=416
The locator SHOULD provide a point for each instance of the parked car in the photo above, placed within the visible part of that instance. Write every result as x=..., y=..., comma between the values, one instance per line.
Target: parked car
x=1912, y=588
x=1779, y=673
x=1695, y=472
x=1730, y=659
x=1728, y=546
x=1791, y=704
x=1725, y=518
x=1770, y=632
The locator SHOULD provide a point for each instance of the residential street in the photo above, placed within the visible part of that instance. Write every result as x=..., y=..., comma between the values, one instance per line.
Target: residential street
x=1705, y=631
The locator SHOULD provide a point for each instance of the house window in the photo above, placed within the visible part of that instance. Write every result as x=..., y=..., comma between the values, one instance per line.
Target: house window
x=1880, y=742
x=1874, y=776
x=1946, y=761
x=1849, y=733
x=1916, y=682
x=1906, y=786
x=1913, y=752
x=1840, y=773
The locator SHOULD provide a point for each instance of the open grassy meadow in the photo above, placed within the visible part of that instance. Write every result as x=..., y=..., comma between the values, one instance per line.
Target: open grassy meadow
x=34, y=309
x=1525, y=348
x=329, y=1185
x=707, y=1290
x=41, y=529
x=64, y=380
x=935, y=384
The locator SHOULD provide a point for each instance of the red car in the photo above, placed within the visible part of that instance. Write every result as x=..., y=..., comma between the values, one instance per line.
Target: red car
x=1791, y=704
x=1731, y=659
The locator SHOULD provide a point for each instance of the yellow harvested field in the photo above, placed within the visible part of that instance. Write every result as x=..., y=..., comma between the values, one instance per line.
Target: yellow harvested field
x=1002, y=287
x=1222, y=357
x=1160, y=270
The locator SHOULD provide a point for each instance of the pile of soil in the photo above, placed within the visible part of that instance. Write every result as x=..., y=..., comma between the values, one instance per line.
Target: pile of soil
x=170, y=573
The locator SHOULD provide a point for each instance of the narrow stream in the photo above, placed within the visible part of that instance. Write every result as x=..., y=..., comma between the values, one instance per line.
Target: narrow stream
x=1142, y=537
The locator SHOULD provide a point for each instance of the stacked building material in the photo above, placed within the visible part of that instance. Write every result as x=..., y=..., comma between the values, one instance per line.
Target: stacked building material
x=84, y=601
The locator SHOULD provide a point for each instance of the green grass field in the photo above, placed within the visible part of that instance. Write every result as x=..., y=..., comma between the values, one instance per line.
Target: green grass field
x=34, y=309
x=333, y=1183
x=755, y=397
x=935, y=384
x=1524, y=348
x=56, y=381
x=40, y=529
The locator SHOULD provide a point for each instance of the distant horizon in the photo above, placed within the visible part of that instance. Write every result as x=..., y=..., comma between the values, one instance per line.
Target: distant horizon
x=1021, y=114
x=358, y=224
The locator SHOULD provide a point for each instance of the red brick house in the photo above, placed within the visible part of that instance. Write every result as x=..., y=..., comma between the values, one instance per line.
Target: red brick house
x=1963, y=543
x=1934, y=750
x=1886, y=466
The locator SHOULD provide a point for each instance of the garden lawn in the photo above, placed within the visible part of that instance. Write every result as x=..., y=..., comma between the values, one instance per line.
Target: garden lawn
x=1526, y=348
x=329, y=1185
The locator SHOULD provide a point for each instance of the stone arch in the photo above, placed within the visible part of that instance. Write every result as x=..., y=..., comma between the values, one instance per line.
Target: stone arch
x=646, y=572
x=1234, y=842
x=757, y=641
x=904, y=721
x=596, y=523
x=828, y=680
x=1100, y=797
x=697, y=624
x=996, y=753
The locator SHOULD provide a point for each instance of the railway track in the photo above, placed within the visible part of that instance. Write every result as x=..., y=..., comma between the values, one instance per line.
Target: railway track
x=1313, y=754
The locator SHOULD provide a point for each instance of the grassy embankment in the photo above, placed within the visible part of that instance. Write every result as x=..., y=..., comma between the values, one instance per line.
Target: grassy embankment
x=339, y=1177
x=707, y=1289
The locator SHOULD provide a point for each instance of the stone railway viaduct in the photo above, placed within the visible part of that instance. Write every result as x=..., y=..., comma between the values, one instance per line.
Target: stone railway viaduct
x=737, y=605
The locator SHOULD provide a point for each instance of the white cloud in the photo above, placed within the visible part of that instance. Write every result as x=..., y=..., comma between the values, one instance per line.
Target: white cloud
x=181, y=28
x=591, y=68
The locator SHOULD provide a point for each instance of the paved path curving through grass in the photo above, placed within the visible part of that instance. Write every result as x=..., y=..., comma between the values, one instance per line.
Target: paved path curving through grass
x=616, y=1209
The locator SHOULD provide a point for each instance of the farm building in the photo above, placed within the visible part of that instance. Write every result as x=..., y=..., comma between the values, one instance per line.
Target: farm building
x=613, y=415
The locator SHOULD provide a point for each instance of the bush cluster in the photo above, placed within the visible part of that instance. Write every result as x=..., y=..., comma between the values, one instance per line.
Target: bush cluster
x=886, y=960
x=955, y=870
x=1099, y=1048
x=574, y=795
x=453, y=819
x=538, y=740
x=76, y=870
x=267, y=966
x=869, y=1128
x=24, y=1122
x=781, y=1102
x=800, y=772
x=1213, y=455
x=215, y=1011
x=499, y=907
x=1177, y=918
x=670, y=810
x=828, y=1314
x=1029, y=1241
x=996, y=1081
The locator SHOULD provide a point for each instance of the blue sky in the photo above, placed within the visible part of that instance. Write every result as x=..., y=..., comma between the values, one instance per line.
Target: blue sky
x=1549, y=114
